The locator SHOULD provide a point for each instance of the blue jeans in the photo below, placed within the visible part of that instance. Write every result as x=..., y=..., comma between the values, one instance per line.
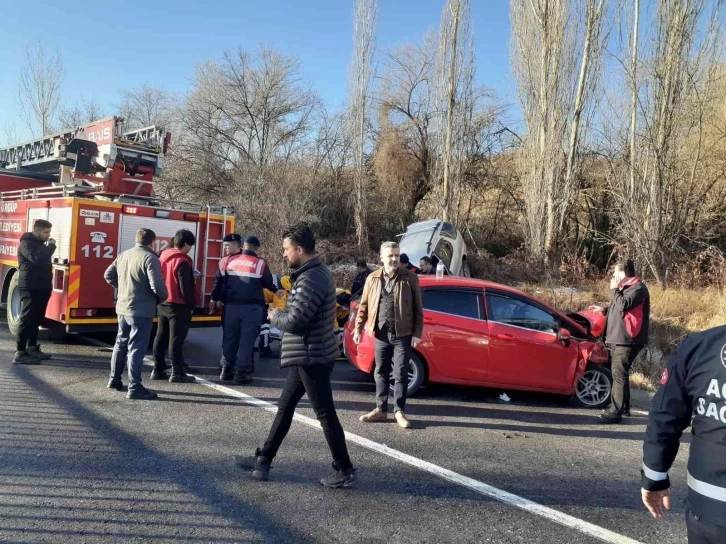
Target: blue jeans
x=242, y=323
x=132, y=340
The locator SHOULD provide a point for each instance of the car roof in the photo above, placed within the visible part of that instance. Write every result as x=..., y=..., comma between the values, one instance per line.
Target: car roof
x=429, y=280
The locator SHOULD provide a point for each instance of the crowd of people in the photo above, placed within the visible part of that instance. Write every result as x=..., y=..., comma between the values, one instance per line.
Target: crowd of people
x=304, y=306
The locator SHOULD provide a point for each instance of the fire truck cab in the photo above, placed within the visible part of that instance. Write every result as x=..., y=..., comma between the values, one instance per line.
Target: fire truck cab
x=95, y=185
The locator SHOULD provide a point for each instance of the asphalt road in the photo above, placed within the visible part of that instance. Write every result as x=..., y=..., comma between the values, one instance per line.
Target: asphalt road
x=80, y=463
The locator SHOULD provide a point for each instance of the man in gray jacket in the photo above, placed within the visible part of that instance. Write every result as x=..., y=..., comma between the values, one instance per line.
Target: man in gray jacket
x=136, y=274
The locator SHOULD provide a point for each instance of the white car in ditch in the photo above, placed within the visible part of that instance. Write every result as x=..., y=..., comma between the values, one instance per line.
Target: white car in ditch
x=439, y=240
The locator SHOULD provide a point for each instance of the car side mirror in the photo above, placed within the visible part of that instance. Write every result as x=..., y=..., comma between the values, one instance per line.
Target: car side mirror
x=564, y=336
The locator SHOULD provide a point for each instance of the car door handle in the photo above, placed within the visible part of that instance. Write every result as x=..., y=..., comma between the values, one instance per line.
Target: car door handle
x=505, y=336
x=429, y=321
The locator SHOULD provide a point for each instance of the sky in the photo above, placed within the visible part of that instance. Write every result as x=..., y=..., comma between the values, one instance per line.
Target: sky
x=115, y=45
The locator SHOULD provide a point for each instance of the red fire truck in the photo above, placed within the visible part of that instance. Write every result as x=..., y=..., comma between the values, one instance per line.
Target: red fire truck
x=95, y=185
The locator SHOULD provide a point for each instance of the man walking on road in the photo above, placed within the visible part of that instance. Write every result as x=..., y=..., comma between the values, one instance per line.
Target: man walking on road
x=239, y=286
x=692, y=392
x=136, y=274
x=626, y=333
x=35, y=284
x=390, y=309
x=175, y=314
x=309, y=350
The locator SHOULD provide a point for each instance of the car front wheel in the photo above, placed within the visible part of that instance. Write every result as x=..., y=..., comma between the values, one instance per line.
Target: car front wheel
x=594, y=388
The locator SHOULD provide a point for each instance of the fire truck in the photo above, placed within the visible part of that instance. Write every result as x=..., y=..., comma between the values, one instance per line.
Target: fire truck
x=95, y=184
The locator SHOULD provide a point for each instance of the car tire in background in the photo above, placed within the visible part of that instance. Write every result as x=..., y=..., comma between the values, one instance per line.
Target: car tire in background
x=416, y=374
x=594, y=388
x=466, y=270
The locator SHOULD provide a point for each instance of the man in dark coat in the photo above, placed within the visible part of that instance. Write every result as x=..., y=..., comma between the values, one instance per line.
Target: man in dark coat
x=35, y=284
x=309, y=349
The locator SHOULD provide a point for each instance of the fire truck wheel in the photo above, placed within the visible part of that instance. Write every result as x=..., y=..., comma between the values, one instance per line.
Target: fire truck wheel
x=13, y=305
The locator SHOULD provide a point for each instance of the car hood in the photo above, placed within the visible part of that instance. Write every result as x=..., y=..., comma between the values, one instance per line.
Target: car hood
x=594, y=322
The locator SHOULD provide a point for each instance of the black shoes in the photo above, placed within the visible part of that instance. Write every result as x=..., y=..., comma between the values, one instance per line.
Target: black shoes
x=340, y=478
x=141, y=394
x=608, y=416
x=25, y=358
x=258, y=464
x=226, y=375
x=242, y=378
x=182, y=378
x=36, y=352
x=157, y=374
x=117, y=384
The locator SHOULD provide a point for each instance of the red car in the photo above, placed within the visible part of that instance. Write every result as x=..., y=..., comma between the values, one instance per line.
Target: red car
x=482, y=333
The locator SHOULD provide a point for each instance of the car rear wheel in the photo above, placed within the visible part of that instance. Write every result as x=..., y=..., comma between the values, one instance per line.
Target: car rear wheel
x=416, y=375
x=594, y=388
x=466, y=270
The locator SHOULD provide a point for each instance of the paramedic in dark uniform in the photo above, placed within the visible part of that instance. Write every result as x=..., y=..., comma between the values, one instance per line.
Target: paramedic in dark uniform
x=692, y=392
x=238, y=286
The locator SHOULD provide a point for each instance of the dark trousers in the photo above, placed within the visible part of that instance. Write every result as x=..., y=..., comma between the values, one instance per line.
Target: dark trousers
x=701, y=531
x=33, y=305
x=240, y=329
x=315, y=381
x=621, y=359
x=171, y=332
x=391, y=351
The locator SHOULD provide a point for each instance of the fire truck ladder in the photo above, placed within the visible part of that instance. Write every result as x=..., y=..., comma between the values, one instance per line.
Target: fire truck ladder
x=207, y=257
x=45, y=154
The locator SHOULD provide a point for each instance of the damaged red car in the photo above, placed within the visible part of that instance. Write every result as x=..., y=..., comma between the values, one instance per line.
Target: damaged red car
x=485, y=334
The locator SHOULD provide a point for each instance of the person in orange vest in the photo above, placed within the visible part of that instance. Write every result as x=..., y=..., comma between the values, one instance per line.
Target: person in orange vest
x=175, y=314
x=276, y=299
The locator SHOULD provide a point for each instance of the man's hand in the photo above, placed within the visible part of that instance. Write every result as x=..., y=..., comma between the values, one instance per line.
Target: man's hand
x=272, y=313
x=654, y=501
x=356, y=337
x=51, y=242
x=415, y=342
x=212, y=306
x=614, y=283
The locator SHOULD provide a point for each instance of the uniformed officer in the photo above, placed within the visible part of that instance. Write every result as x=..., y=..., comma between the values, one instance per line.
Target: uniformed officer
x=238, y=287
x=692, y=392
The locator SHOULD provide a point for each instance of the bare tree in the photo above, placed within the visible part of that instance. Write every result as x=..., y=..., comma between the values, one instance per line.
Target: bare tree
x=674, y=103
x=634, y=88
x=456, y=67
x=85, y=111
x=147, y=105
x=408, y=104
x=39, y=90
x=550, y=41
x=362, y=72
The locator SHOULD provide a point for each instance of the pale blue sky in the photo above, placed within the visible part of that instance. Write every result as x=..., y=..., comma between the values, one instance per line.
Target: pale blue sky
x=113, y=45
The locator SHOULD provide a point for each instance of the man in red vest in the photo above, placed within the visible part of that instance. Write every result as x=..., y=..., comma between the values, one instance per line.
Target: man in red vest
x=175, y=314
x=626, y=333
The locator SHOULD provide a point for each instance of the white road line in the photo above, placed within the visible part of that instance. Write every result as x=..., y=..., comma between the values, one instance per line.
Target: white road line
x=532, y=507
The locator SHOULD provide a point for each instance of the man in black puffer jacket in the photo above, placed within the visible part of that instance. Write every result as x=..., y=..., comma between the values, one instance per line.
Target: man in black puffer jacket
x=35, y=283
x=309, y=349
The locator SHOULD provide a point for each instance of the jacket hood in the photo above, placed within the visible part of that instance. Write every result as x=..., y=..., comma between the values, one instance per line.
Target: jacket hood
x=29, y=236
x=173, y=255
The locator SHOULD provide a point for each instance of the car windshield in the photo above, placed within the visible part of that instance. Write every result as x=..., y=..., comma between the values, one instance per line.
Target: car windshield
x=415, y=245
